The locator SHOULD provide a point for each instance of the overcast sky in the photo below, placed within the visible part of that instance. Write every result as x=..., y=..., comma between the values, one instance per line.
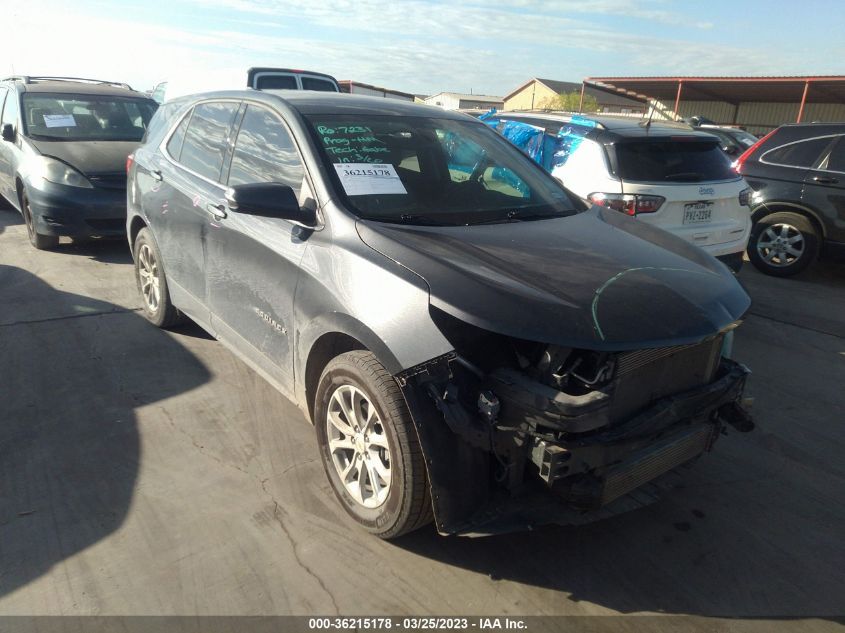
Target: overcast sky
x=422, y=46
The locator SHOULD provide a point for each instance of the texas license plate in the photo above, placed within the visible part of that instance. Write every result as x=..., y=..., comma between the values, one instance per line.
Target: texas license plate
x=698, y=212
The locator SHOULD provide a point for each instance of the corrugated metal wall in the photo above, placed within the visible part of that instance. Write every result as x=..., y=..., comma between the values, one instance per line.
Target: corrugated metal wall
x=757, y=118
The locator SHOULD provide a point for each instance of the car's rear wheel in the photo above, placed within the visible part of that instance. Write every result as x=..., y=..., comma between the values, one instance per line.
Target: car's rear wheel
x=38, y=240
x=783, y=244
x=369, y=446
x=152, y=283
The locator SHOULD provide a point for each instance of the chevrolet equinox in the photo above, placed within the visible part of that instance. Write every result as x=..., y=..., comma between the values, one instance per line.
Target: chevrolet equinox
x=473, y=344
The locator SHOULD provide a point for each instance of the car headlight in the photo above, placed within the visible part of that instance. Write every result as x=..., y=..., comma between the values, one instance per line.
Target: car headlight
x=59, y=173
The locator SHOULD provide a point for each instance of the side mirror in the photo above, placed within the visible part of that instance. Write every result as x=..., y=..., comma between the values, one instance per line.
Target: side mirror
x=730, y=150
x=269, y=200
x=8, y=132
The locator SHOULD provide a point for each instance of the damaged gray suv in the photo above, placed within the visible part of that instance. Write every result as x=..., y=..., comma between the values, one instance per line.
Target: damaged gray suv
x=472, y=344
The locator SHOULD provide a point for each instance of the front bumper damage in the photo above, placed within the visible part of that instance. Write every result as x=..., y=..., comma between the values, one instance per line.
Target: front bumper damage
x=530, y=455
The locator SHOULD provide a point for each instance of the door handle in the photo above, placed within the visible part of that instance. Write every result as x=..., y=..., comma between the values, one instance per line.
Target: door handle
x=156, y=175
x=825, y=180
x=218, y=211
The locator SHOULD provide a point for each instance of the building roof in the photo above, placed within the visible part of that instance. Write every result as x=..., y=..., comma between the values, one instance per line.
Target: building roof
x=470, y=97
x=602, y=96
x=347, y=83
x=822, y=89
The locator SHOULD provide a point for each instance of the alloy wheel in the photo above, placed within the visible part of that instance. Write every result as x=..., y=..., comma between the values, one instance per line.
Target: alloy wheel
x=358, y=446
x=780, y=245
x=27, y=218
x=148, y=273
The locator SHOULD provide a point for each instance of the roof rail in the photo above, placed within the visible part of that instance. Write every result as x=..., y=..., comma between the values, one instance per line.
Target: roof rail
x=29, y=79
x=561, y=113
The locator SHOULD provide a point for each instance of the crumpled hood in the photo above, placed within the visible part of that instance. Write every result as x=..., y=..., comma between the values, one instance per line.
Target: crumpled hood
x=89, y=157
x=596, y=280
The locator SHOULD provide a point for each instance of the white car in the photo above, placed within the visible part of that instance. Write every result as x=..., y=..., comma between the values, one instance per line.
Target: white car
x=665, y=174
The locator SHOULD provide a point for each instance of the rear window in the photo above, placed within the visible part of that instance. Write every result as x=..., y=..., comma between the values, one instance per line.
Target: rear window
x=800, y=154
x=313, y=83
x=672, y=161
x=276, y=82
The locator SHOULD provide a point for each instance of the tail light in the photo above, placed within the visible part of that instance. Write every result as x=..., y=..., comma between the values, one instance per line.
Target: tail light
x=627, y=203
x=739, y=162
x=129, y=160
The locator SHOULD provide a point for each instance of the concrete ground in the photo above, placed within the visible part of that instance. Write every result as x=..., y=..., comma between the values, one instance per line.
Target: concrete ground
x=151, y=472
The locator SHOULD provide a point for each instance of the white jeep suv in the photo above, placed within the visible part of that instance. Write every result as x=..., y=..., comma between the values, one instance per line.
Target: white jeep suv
x=665, y=174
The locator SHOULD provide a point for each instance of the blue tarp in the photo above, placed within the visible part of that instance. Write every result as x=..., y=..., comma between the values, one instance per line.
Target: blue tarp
x=548, y=150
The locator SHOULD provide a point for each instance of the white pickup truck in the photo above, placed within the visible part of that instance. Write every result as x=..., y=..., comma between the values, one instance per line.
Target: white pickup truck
x=259, y=78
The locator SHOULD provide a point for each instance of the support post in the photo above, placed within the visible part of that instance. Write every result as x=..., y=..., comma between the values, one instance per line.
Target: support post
x=678, y=100
x=581, y=102
x=803, y=101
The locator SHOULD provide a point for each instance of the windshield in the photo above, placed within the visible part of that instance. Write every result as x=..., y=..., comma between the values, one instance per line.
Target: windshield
x=745, y=138
x=67, y=117
x=673, y=161
x=422, y=170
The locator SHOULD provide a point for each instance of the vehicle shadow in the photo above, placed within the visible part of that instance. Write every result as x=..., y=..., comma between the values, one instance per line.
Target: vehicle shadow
x=822, y=283
x=710, y=550
x=74, y=370
x=9, y=216
x=106, y=251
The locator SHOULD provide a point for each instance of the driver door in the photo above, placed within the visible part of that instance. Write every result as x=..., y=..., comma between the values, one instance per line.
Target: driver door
x=253, y=262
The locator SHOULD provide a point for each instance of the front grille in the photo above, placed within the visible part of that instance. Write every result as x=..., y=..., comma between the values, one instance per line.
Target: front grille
x=645, y=376
x=649, y=464
x=109, y=181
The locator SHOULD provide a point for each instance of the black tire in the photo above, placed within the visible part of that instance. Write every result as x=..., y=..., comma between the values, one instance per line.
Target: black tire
x=796, y=232
x=148, y=268
x=407, y=505
x=38, y=240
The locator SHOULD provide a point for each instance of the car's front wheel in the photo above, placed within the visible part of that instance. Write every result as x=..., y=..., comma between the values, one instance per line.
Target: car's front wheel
x=783, y=244
x=152, y=284
x=38, y=240
x=369, y=446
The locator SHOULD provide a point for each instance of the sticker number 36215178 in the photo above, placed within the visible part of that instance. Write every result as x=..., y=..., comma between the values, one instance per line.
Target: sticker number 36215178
x=363, y=179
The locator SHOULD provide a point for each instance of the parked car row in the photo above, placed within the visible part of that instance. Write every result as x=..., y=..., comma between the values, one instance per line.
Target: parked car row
x=663, y=174
x=474, y=343
x=794, y=179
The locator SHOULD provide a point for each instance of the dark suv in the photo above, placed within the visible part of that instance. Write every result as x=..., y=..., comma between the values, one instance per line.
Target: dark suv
x=63, y=153
x=797, y=173
x=467, y=336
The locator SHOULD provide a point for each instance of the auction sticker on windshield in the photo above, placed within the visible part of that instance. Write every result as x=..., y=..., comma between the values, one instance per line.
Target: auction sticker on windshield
x=363, y=179
x=59, y=120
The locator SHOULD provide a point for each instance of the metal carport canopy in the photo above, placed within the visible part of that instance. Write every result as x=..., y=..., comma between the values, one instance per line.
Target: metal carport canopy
x=734, y=90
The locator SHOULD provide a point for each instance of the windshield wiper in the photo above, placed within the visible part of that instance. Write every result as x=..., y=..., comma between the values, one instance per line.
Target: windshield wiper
x=409, y=218
x=518, y=216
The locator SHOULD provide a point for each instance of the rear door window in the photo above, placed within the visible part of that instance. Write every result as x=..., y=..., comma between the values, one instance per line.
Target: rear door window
x=204, y=147
x=276, y=82
x=672, y=161
x=315, y=83
x=800, y=154
x=836, y=159
x=265, y=152
x=174, y=145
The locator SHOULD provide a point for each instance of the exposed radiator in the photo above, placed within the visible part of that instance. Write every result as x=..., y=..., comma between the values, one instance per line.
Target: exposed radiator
x=655, y=461
x=644, y=376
